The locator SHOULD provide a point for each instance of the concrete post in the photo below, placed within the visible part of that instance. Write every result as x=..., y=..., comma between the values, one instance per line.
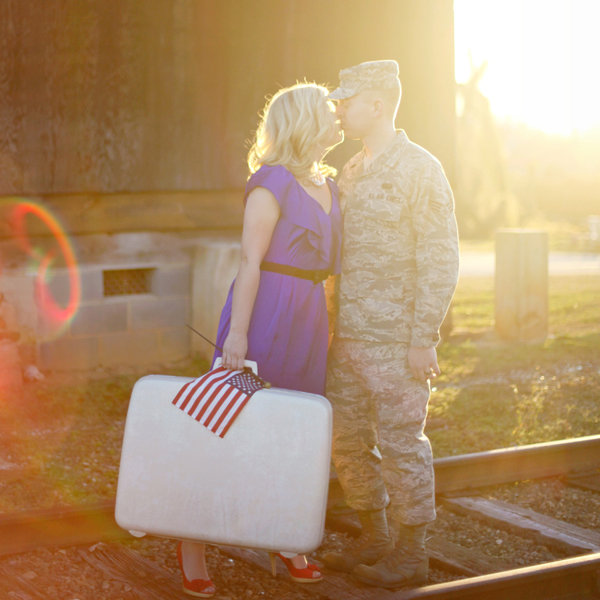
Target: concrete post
x=214, y=265
x=521, y=285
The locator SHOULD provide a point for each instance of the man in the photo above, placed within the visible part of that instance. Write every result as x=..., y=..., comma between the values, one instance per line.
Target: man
x=399, y=271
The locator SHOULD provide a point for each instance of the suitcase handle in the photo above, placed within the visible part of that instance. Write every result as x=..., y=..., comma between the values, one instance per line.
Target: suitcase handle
x=247, y=363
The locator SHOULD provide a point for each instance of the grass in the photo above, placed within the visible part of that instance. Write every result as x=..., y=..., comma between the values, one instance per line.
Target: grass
x=66, y=433
x=64, y=438
x=495, y=394
x=562, y=237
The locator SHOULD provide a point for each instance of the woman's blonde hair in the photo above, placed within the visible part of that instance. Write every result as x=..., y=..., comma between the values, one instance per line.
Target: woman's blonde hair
x=295, y=126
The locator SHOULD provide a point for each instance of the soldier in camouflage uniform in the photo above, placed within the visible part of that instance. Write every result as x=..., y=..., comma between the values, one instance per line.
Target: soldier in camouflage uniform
x=399, y=271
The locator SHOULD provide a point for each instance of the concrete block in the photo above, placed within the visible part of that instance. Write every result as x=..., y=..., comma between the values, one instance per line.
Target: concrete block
x=48, y=328
x=91, y=284
x=11, y=377
x=130, y=348
x=214, y=267
x=69, y=353
x=60, y=295
x=153, y=312
x=90, y=281
x=122, y=250
x=59, y=286
x=172, y=280
x=102, y=318
x=175, y=343
x=521, y=285
x=18, y=288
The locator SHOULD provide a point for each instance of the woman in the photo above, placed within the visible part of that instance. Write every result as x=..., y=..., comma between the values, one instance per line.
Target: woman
x=275, y=313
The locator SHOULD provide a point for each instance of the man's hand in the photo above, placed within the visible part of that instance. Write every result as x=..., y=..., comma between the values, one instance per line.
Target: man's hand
x=423, y=363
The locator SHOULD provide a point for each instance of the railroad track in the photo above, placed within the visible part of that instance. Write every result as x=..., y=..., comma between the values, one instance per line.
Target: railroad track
x=458, y=481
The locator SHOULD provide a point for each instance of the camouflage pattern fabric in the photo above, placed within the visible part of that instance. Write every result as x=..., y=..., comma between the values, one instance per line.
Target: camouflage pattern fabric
x=379, y=447
x=371, y=75
x=400, y=248
x=399, y=271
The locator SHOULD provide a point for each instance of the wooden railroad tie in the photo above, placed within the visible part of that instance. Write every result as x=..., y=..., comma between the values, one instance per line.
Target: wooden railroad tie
x=528, y=523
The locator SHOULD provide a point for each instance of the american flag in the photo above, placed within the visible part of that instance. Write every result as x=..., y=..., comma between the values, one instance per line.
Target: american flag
x=217, y=398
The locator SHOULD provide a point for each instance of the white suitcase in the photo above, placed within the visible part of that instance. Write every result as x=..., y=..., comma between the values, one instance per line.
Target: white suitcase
x=264, y=485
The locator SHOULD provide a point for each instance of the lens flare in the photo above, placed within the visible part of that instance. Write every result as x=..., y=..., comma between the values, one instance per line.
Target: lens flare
x=57, y=317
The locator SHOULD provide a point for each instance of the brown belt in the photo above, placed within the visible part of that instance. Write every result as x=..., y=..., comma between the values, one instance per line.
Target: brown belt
x=316, y=276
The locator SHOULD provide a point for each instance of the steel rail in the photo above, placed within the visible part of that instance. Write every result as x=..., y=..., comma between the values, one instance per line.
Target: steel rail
x=505, y=465
x=65, y=526
x=25, y=530
x=573, y=578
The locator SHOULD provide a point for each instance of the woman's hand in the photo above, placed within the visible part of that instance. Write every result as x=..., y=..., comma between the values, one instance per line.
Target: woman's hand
x=235, y=349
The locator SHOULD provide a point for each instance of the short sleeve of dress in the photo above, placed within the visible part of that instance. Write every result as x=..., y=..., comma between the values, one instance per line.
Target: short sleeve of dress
x=298, y=209
x=274, y=178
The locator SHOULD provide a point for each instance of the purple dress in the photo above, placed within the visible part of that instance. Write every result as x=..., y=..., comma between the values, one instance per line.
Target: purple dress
x=288, y=331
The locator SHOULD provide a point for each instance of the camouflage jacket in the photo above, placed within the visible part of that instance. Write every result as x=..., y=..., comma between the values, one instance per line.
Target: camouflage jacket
x=400, y=248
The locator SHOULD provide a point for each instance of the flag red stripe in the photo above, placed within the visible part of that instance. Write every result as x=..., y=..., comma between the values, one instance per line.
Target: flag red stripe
x=220, y=403
x=215, y=427
x=208, y=383
x=201, y=398
x=209, y=405
x=213, y=395
x=218, y=396
x=234, y=417
x=207, y=402
x=195, y=383
x=182, y=390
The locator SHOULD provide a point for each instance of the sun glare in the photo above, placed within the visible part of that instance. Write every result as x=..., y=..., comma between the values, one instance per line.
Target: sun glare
x=542, y=59
x=55, y=316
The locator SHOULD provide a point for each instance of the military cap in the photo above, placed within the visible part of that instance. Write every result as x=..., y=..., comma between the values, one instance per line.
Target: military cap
x=372, y=75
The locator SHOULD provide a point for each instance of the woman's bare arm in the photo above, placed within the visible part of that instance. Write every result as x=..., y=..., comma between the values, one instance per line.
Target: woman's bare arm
x=260, y=218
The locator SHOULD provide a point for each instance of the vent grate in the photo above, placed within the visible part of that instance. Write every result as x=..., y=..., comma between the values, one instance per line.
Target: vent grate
x=123, y=282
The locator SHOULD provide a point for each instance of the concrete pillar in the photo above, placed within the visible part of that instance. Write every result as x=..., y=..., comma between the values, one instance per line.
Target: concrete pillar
x=521, y=285
x=11, y=378
x=214, y=266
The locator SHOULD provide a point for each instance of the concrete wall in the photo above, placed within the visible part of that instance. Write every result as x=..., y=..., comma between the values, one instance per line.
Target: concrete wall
x=126, y=329
x=122, y=116
x=113, y=96
x=214, y=267
x=188, y=284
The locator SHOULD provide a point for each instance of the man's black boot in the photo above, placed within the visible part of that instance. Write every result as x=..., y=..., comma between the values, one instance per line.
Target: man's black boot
x=373, y=543
x=406, y=565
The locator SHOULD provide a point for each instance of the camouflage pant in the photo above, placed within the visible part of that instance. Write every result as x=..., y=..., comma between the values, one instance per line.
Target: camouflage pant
x=379, y=447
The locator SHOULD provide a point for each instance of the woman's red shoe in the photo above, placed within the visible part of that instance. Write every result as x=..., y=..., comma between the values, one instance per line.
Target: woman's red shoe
x=200, y=588
x=308, y=574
